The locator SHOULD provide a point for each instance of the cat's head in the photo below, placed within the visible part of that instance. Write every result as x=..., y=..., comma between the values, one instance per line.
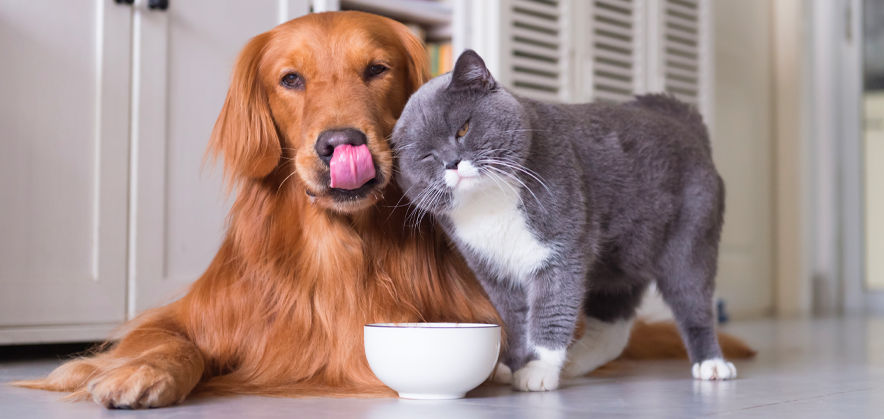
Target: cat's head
x=459, y=133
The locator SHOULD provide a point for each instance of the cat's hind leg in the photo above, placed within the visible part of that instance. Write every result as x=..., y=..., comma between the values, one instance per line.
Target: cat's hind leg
x=691, y=301
x=607, y=321
x=601, y=343
x=687, y=270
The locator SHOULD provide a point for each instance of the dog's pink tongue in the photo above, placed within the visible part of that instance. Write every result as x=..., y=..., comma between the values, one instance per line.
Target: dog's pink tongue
x=351, y=167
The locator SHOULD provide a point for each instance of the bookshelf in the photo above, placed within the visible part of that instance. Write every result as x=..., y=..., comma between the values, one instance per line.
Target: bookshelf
x=423, y=12
x=430, y=20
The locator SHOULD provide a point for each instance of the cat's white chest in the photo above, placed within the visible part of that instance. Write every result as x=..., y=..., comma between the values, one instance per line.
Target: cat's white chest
x=489, y=221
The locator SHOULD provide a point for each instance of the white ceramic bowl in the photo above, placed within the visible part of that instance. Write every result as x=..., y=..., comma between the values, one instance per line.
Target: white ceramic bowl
x=432, y=360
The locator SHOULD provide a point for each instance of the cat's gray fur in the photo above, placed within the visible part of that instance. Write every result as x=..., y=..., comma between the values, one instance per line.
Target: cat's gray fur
x=622, y=195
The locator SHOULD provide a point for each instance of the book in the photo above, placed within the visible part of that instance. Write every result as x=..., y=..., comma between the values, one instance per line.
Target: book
x=440, y=56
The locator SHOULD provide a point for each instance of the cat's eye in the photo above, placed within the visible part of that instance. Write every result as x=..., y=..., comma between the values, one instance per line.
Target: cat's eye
x=463, y=130
x=427, y=157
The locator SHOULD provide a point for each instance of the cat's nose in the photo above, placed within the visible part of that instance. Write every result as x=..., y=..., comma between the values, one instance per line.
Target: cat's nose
x=452, y=165
x=328, y=140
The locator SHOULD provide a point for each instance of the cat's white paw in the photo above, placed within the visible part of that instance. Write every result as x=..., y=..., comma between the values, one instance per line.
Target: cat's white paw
x=714, y=369
x=502, y=374
x=537, y=375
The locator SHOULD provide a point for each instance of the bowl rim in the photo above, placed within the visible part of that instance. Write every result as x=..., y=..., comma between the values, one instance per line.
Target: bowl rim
x=433, y=325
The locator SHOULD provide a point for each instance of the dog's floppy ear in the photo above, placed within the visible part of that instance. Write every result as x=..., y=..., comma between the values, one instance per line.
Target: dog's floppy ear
x=245, y=134
x=418, y=64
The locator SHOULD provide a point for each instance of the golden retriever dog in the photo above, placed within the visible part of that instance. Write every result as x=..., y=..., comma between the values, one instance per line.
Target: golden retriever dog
x=318, y=243
x=304, y=266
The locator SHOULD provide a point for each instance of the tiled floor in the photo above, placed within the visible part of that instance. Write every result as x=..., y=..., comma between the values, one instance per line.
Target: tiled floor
x=820, y=368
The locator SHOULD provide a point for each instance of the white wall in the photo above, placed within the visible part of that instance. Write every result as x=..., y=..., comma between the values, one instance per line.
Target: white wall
x=743, y=146
x=874, y=189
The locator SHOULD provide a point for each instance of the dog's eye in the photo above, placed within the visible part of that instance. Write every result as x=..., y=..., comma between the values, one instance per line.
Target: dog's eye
x=375, y=70
x=292, y=81
x=463, y=130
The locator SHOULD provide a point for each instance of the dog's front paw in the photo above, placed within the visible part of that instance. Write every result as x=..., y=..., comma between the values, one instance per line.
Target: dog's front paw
x=134, y=386
x=536, y=376
x=502, y=374
x=714, y=369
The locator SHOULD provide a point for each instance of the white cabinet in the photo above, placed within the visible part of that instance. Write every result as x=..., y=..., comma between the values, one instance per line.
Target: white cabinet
x=182, y=66
x=64, y=150
x=105, y=113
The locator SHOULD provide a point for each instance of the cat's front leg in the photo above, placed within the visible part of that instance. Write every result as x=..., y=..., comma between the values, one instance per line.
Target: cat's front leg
x=512, y=305
x=554, y=297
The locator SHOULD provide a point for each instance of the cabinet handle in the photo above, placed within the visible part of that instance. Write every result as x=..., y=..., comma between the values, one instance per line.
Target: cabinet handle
x=157, y=4
x=124, y=2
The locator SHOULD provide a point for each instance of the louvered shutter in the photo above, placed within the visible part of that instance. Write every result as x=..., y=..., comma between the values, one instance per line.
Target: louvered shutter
x=640, y=46
x=533, y=57
x=614, y=50
x=595, y=50
x=682, y=61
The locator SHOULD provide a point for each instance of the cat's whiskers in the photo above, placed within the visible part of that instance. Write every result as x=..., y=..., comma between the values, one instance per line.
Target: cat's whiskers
x=499, y=175
x=434, y=201
x=404, y=194
x=519, y=130
x=495, y=177
x=492, y=153
x=495, y=154
x=423, y=200
x=418, y=210
x=517, y=166
x=515, y=178
x=435, y=198
x=490, y=163
x=415, y=206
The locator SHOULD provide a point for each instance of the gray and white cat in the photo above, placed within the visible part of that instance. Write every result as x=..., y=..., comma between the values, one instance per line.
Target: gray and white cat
x=567, y=208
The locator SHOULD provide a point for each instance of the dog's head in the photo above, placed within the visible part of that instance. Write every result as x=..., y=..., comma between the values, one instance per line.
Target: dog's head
x=315, y=99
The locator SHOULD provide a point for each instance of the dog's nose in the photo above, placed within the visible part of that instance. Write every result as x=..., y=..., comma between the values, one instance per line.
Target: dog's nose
x=330, y=139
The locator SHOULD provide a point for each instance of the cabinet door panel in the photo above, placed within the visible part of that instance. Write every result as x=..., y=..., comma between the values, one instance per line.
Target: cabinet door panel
x=64, y=99
x=183, y=61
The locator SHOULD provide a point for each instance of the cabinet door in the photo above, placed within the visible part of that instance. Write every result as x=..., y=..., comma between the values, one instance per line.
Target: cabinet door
x=64, y=128
x=183, y=58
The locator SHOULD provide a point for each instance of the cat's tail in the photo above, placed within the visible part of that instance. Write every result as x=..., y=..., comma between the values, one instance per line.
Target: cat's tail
x=667, y=104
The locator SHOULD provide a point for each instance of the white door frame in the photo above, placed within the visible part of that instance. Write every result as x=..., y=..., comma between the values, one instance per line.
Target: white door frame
x=855, y=299
x=831, y=188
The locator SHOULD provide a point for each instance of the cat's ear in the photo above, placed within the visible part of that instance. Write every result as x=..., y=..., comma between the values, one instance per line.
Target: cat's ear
x=470, y=73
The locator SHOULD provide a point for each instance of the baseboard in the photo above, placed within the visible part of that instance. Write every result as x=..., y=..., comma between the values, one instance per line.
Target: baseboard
x=21, y=335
